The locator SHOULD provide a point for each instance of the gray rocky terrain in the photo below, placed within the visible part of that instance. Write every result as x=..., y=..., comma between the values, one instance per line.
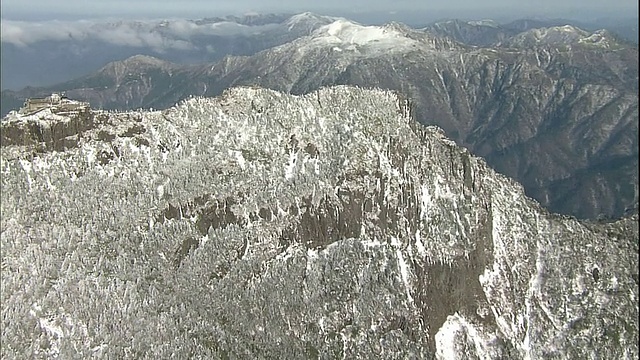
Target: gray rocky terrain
x=264, y=225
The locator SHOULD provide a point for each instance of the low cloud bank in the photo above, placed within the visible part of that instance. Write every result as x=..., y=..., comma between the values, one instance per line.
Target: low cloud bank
x=158, y=34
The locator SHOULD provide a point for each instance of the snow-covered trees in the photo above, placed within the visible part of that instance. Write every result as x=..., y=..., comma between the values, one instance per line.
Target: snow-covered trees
x=264, y=225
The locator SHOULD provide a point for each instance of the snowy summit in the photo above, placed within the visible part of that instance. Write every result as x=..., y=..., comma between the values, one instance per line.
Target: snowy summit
x=265, y=225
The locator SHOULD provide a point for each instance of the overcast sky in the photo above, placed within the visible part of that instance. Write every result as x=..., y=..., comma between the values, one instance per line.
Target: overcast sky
x=77, y=9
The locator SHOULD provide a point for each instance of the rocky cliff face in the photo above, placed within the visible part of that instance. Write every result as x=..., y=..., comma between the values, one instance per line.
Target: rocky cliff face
x=259, y=224
x=556, y=108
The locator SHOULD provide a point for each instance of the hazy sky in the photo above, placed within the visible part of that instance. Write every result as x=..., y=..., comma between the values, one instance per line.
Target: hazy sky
x=70, y=9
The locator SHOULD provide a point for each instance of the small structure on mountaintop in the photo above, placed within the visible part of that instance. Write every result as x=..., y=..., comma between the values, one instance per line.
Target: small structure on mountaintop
x=57, y=103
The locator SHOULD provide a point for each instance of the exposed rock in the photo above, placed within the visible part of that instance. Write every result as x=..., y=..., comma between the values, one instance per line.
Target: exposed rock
x=221, y=236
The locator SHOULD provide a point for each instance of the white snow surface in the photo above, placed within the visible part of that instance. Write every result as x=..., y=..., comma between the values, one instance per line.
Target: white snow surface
x=347, y=35
x=352, y=33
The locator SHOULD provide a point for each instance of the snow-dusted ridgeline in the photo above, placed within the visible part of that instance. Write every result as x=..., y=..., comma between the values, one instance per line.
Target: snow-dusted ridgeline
x=259, y=224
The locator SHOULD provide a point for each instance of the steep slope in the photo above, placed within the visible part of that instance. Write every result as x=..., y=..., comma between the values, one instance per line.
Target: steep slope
x=560, y=114
x=264, y=225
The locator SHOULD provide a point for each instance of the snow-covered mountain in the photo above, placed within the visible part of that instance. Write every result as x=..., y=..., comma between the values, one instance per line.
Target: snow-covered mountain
x=265, y=225
x=561, y=116
x=525, y=32
x=566, y=35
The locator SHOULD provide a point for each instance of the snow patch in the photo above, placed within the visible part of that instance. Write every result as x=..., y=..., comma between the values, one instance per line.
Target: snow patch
x=446, y=339
x=289, y=168
x=51, y=328
x=420, y=246
x=371, y=243
x=284, y=256
x=240, y=159
x=404, y=268
x=352, y=33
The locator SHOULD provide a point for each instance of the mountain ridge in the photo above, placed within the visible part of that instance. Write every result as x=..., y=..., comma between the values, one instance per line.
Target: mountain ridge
x=531, y=112
x=487, y=33
x=263, y=224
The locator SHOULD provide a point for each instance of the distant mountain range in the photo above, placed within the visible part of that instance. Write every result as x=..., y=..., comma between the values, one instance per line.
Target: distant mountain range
x=46, y=53
x=490, y=33
x=555, y=108
x=67, y=50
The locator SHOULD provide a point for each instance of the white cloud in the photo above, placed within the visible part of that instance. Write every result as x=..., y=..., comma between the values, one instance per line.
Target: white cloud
x=23, y=33
x=158, y=34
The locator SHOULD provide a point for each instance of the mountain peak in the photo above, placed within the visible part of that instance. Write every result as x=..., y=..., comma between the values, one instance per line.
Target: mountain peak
x=305, y=16
x=134, y=65
x=307, y=21
x=348, y=35
x=601, y=38
x=345, y=35
x=398, y=27
x=144, y=60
